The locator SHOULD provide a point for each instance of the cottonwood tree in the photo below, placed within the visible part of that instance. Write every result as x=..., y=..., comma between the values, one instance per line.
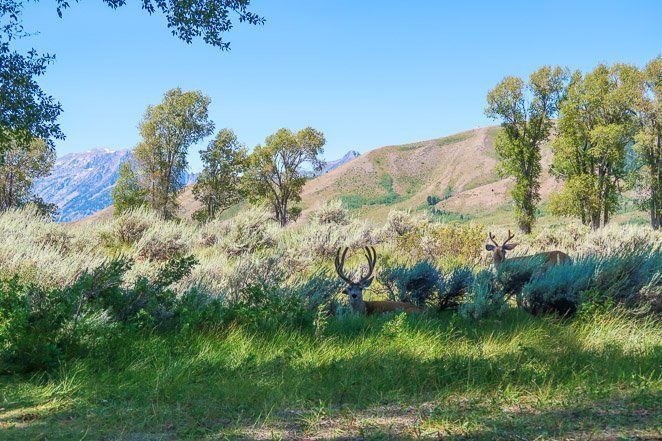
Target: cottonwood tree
x=218, y=186
x=168, y=130
x=20, y=165
x=526, y=111
x=596, y=125
x=128, y=192
x=648, y=146
x=274, y=173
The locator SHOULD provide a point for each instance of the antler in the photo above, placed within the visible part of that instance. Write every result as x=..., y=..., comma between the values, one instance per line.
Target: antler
x=340, y=262
x=510, y=236
x=371, y=255
x=492, y=239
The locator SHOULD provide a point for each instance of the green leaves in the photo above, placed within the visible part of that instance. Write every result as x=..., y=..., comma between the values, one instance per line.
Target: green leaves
x=219, y=185
x=274, y=172
x=168, y=130
x=526, y=111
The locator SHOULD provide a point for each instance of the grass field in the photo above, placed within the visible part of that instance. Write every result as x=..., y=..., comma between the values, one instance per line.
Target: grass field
x=393, y=377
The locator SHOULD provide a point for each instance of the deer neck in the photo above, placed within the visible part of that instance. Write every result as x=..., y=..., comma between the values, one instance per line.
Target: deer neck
x=357, y=306
x=498, y=260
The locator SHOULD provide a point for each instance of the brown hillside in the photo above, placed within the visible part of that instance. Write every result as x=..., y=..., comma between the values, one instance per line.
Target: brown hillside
x=403, y=176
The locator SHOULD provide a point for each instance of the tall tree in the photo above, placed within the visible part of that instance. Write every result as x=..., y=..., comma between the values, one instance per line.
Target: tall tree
x=274, y=172
x=526, y=111
x=596, y=125
x=168, y=130
x=128, y=193
x=219, y=184
x=20, y=165
x=648, y=146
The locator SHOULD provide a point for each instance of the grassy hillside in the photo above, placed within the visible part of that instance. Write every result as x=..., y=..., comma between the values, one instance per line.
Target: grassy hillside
x=459, y=170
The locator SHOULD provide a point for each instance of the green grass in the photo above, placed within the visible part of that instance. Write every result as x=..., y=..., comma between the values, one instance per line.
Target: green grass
x=353, y=202
x=453, y=139
x=519, y=377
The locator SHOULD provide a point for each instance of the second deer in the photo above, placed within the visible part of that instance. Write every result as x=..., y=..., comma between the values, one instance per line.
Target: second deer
x=546, y=258
x=355, y=289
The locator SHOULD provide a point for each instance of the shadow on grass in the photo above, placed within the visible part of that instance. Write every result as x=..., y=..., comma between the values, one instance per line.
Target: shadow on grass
x=237, y=384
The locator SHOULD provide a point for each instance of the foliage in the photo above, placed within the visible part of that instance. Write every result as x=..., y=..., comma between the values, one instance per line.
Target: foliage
x=19, y=167
x=274, y=174
x=485, y=298
x=424, y=285
x=128, y=193
x=27, y=112
x=627, y=277
x=648, y=143
x=527, y=123
x=40, y=327
x=438, y=241
x=596, y=124
x=207, y=19
x=167, y=130
x=218, y=186
x=332, y=213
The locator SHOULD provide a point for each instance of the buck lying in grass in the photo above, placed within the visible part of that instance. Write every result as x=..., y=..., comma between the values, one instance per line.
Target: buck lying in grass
x=546, y=258
x=355, y=289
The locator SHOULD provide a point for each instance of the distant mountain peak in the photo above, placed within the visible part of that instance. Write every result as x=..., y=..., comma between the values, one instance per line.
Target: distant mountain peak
x=331, y=165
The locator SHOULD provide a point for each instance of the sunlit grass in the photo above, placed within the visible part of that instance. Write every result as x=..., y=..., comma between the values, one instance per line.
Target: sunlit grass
x=362, y=375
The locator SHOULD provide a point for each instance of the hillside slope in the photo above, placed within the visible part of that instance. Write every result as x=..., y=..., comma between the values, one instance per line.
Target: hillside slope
x=459, y=170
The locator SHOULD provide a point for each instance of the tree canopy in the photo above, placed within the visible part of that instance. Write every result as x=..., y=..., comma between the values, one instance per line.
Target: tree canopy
x=168, y=130
x=218, y=186
x=526, y=111
x=275, y=174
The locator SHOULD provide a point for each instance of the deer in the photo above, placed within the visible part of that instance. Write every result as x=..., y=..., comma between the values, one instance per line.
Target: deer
x=355, y=289
x=547, y=258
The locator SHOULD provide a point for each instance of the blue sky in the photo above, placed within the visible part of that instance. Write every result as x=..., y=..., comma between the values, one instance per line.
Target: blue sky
x=367, y=73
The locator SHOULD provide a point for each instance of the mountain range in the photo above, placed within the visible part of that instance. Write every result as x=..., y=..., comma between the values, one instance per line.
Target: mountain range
x=80, y=183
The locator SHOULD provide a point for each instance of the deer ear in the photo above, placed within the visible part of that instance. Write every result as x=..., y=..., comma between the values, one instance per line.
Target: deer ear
x=489, y=247
x=345, y=290
x=367, y=283
x=509, y=246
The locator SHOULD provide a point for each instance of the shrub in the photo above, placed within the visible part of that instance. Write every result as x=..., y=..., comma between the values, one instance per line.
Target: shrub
x=266, y=307
x=559, y=289
x=629, y=277
x=250, y=232
x=424, y=285
x=485, y=298
x=436, y=241
x=130, y=226
x=162, y=242
x=332, y=213
x=39, y=326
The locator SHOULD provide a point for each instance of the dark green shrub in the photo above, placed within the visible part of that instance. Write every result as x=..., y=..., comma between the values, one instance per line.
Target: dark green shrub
x=559, y=289
x=39, y=327
x=424, y=285
x=263, y=307
x=32, y=326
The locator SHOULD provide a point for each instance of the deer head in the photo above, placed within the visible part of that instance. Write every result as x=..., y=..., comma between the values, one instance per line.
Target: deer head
x=355, y=289
x=499, y=251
